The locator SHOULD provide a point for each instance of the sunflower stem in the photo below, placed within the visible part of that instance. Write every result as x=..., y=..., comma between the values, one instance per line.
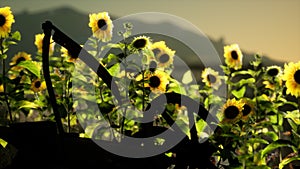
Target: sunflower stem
x=126, y=94
x=298, y=102
x=4, y=83
x=229, y=85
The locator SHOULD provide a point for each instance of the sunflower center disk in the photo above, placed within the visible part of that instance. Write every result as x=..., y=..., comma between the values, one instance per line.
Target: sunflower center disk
x=234, y=55
x=2, y=20
x=154, y=81
x=155, y=51
x=37, y=84
x=231, y=112
x=273, y=72
x=140, y=43
x=246, y=110
x=211, y=78
x=297, y=76
x=152, y=66
x=164, y=58
x=102, y=24
x=20, y=60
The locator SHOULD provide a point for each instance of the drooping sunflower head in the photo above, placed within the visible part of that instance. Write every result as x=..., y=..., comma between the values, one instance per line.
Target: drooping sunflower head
x=101, y=26
x=233, y=56
x=248, y=109
x=6, y=20
x=232, y=111
x=162, y=53
x=19, y=57
x=211, y=78
x=157, y=81
x=39, y=43
x=140, y=43
x=38, y=85
x=292, y=77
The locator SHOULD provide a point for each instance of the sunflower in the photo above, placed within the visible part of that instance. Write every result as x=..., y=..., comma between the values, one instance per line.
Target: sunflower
x=6, y=20
x=211, y=78
x=274, y=71
x=232, y=111
x=248, y=109
x=140, y=43
x=162, y=53
x=19, y=57
x=152, y=65
x=181, y=110
x=233, y=56
x=269, y=85
x=65, y=53
x=101, y=25
x=37, y=85
x=157, y=81
x=1, y=89
x=39, y=43
x=292, y=78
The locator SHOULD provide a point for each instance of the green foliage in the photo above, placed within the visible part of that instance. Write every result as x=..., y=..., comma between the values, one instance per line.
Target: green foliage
x=30, y=66
x=250, y=141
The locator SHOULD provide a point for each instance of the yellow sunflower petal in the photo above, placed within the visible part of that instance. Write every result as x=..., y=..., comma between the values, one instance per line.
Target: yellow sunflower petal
x=20, y=56
x=38, y=85
x=211, y=78
x=162, y=53
x=274, y=71
x=101, y=26
x=157, y=81
x=140, y=43
x=233, y=56
x=1, y=89
x=292, y=78
x=6, y=20
x=39, y=43
x=232, y=111
x=248, y=109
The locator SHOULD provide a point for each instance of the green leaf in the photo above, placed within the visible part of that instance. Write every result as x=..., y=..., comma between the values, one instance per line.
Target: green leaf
x=187, y=77
x=90, y=129
x=277, y=144
x=16, y=35
x=257, y=140
x=169, y=154
x=114, y=70
x=239, y=93
x=112, y=58
x=226, y=69
x=30, y=66
x=260, y=167
x=4, y=56
x=244, y=81
x=287, y=160
x=114, y=45
x=293, y=115
x=27, y=104
x=244, y=72
x=175, y=87
x=3, y=143
x=200, y=125
x=272, y=135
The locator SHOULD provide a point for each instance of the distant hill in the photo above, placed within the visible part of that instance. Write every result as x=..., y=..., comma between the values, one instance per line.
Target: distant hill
x=75, y=25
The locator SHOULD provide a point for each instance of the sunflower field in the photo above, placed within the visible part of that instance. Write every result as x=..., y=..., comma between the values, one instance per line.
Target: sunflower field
x=256, y=123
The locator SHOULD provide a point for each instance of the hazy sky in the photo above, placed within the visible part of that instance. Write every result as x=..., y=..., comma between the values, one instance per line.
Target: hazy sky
x=270, y=27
